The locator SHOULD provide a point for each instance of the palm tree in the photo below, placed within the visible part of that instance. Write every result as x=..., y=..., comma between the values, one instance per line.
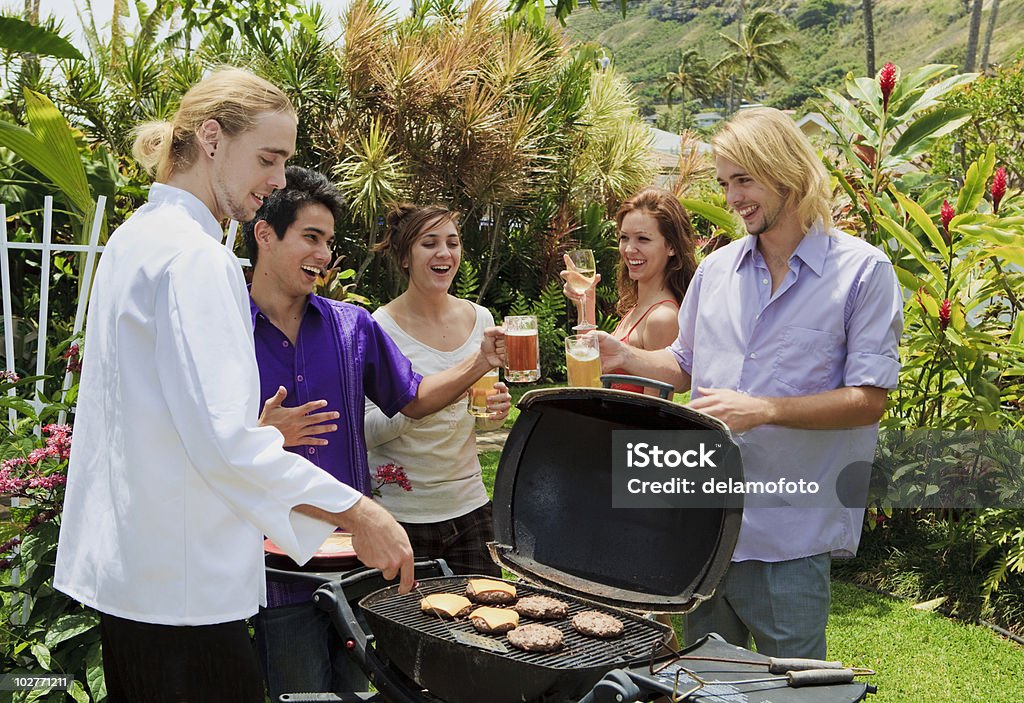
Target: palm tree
x=993, y=11
x=869, y=34
x=974, y=29
x=758, y=51
x=690, y=80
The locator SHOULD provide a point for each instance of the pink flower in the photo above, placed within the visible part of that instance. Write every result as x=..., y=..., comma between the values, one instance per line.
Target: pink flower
x=9, y=376
x=944, y=314
x=887, y=81
x=998, y=188
x=946, y=214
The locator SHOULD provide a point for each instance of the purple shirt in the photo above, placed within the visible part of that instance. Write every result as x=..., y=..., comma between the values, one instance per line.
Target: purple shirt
x=341, y=355
x=835, y=321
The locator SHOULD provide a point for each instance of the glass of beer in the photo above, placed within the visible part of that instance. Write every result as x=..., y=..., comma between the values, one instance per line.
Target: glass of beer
x=522, y=353
x=480, y=392
x=583, y=360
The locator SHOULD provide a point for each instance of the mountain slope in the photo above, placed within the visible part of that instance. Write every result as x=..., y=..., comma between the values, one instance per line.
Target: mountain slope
x=830, y=35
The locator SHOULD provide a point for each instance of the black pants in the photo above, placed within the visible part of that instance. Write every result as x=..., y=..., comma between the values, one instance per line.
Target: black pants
x=461, y=541
x=145, y=663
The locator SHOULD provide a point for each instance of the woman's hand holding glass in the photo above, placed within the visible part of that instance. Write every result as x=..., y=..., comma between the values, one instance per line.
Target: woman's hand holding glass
x=581, y=289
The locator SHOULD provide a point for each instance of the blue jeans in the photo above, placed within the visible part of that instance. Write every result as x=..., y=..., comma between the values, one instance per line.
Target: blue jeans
x=300, y=651
x=782, y=605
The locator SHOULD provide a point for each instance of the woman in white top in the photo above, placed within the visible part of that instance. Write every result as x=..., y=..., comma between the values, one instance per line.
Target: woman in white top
x=447, y=513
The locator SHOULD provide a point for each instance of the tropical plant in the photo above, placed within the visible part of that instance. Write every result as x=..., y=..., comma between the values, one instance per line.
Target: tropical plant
x=43, y=631
x=757, y=53
x=690, y=79
x=884, y=126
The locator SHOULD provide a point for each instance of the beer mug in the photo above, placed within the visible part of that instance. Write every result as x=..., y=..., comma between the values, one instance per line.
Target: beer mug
x=480, y=392
x=583, y=360
x=522, y=352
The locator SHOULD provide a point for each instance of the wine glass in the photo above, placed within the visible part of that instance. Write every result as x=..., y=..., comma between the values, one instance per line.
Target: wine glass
x=582, y=270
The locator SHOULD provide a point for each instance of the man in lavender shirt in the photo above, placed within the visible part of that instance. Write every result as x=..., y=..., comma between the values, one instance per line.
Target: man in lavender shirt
x=789, y=336
x=323, y=357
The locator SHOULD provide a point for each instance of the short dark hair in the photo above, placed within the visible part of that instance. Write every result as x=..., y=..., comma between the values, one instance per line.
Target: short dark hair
x=279, y=210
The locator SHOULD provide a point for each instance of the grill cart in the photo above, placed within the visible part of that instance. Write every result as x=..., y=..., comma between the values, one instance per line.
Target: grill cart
x=556, y=529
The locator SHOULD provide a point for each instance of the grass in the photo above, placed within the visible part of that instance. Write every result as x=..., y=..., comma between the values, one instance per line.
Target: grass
x=920, y=657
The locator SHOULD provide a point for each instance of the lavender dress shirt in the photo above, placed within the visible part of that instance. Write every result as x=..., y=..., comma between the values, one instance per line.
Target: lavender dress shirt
x=835, y=321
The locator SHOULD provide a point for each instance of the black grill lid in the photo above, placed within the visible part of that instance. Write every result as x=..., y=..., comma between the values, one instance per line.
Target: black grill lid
x=553, y=516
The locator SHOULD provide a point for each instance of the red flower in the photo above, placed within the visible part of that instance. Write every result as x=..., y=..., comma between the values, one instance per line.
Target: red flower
x=998, y=188
x=887, y=81
x=391, y=473
x=946, y=214
x=74, y=359
x=944, y=313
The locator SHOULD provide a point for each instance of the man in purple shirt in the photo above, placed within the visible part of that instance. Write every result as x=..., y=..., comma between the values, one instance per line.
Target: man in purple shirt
x=324, y=357
x=789, y=336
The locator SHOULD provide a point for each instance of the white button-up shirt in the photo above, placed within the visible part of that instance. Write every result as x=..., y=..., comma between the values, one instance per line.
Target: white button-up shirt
x=171, y=484
x=834, y=321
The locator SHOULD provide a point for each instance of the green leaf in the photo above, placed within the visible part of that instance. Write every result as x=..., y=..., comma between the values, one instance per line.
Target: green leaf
x=847, y=110
x=22, y=37
x=1018, y=330
x=42, y=655
x=50, y=149
x=910, y=243
x=974, y=183
x=992, y=234
x=78, y=693
x=720, y=217
x=921, y=218
x=909, y=280
x=71, y=625
x=94, y=672
x=868, y=92
x=929, y=126
x=1014, y=255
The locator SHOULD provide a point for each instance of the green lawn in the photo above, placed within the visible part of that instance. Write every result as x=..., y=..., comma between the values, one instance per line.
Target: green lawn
x=920, y=657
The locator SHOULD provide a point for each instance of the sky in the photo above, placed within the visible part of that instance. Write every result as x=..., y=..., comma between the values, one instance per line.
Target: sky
x=103, y=9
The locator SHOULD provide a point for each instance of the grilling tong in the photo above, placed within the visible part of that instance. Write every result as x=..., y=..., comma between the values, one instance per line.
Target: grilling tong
x=794, y=672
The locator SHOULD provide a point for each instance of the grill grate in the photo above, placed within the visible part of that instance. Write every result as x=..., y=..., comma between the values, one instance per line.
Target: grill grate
x=637, y=642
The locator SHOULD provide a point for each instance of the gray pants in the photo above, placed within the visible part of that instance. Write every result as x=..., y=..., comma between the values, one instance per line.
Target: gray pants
x=782, y=605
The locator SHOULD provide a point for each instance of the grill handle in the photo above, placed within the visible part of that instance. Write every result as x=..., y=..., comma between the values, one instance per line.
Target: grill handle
x=665, y=390
x=336, y=599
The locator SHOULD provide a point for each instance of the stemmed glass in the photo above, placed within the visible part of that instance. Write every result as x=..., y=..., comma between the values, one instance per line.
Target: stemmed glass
x=582, y=271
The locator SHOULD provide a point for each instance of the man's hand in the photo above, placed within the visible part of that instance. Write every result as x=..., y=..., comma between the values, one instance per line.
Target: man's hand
x=380, y=542
x=614, y=352
x=740, y=412
x=299, y=425
x=493, y=346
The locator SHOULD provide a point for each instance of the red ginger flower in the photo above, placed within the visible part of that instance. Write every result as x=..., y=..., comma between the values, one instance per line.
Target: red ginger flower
x=944, y=313
x=998, y=188
x=887, y=81
x=946, y=214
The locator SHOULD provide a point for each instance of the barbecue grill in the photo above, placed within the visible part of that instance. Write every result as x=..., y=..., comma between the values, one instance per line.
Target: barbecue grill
x=555, y=528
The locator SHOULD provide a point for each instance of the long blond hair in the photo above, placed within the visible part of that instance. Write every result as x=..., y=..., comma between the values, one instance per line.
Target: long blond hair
x=233, y=97
x=768, y=145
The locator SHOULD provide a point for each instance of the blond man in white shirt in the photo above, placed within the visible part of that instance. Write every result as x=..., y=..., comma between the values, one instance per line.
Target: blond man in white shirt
x=172, y=484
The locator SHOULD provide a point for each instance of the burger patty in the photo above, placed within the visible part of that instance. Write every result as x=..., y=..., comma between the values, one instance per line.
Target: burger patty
x=542, y=608
x=535, y=638
x=489, y=592
x=593, y=623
